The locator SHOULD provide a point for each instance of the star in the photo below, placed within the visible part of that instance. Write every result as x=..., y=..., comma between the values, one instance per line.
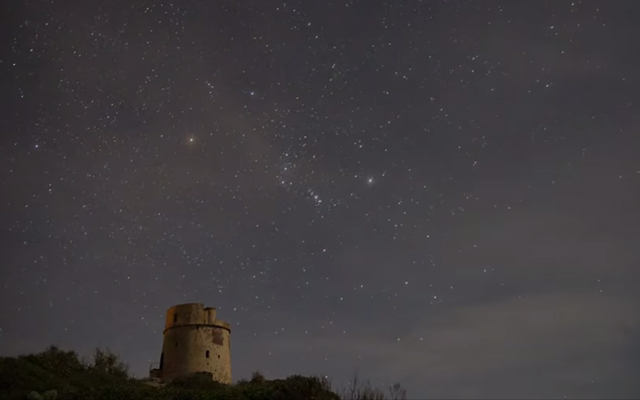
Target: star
x=337, y=159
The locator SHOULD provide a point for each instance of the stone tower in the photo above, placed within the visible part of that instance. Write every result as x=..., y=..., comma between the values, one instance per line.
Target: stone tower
x=195, y=341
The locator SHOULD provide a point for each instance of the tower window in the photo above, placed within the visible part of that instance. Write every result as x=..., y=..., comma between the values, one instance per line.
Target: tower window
x=207, y=354
x=175, y=318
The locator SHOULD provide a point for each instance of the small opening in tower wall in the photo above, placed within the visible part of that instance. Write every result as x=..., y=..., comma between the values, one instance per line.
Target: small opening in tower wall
x=207, y=354
x=218, y=355
x=175, y=318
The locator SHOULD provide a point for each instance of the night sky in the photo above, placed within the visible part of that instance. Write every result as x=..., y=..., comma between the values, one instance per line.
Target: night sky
x=441, y=193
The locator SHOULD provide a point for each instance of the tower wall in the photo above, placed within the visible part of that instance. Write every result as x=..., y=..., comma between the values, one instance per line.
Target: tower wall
x=211, y=314
x=195, y=341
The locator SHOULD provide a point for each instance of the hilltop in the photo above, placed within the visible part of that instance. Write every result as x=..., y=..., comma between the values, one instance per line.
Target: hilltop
x=55, y=374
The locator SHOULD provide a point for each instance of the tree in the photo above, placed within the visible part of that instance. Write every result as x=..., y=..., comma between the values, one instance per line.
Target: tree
x=357, y=389
x=61, y=363
x=108, y=363
x=397, y=392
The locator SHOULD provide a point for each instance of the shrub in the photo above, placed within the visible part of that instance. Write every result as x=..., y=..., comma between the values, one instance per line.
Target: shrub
x=61, y=363
x=58, y=375
x=19, y=377
x=107, y=363
x=197, y=380
x=362, y=390
x=257, y=377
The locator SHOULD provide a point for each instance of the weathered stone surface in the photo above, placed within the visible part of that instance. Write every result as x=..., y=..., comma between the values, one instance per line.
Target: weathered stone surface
x=195, y=341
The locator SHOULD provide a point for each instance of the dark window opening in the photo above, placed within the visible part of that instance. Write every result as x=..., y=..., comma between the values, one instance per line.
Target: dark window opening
x=218, y=355
x=176, y=344
x=161, y=360
x=207, y=354
x=175, y=318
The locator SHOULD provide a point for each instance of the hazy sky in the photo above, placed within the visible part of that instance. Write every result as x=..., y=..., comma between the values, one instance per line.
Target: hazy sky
x=441, y=193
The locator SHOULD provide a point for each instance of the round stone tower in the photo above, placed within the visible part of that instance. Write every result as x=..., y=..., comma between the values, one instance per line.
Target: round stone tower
x=195, y=341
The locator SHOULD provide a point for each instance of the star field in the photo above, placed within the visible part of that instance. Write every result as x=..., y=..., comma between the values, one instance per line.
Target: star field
x=441, y=193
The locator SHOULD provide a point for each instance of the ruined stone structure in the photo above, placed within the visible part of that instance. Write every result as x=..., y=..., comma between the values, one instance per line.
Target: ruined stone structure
x=194, y=341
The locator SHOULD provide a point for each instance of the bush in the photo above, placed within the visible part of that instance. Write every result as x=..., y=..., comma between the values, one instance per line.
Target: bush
x=257, y=377
x=107, y=363
x=18, y=377
x=363, y=390
x=58, y=375
x=54, y=360
x=198, y=380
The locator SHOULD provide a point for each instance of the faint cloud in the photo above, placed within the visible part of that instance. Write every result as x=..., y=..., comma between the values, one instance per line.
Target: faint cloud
x=537, y=346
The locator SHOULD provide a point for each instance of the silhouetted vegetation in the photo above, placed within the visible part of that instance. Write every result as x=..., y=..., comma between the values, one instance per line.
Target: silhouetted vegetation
x=55, y=374
x=363, y=390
